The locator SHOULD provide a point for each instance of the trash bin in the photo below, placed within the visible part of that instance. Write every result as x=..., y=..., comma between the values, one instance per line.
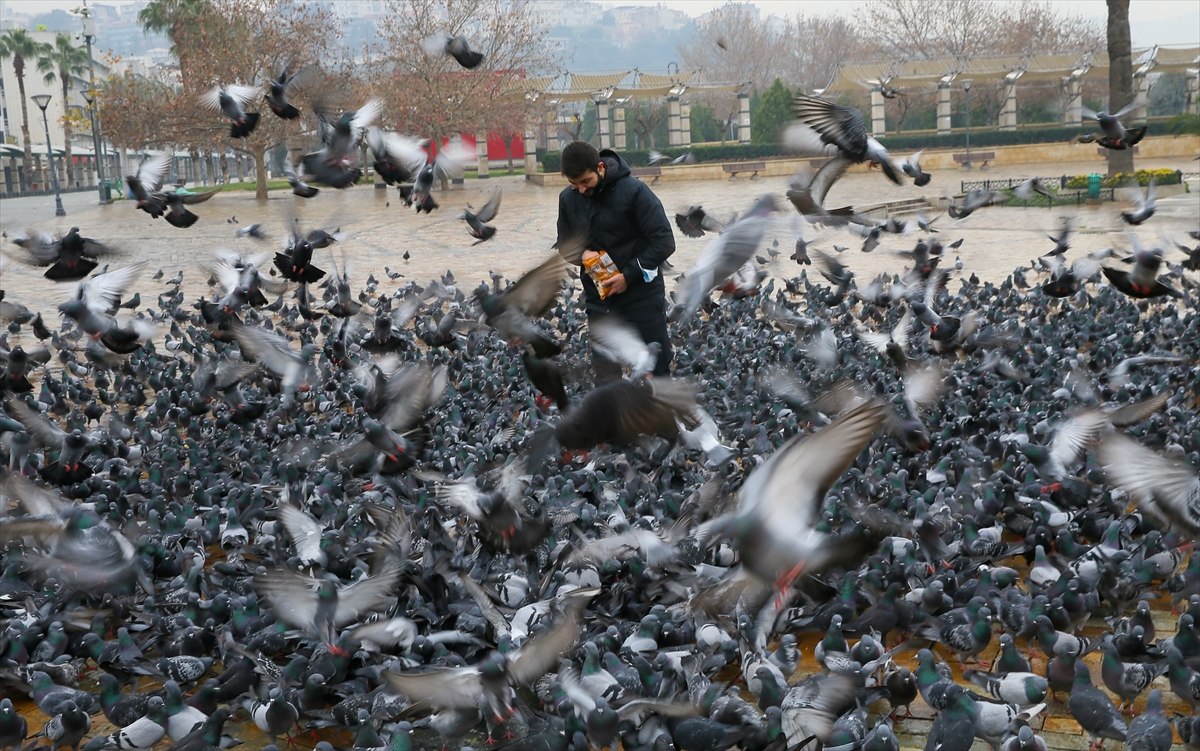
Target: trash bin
x=107, y=191
x=1094, y=185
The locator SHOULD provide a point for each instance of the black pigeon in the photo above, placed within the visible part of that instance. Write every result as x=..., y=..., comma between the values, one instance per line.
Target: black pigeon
x=277, y=92
x=477, y=222
x=912, y=167
x=295, y=262
x=454, y=46
x=70, y=258
x=397, y=159
x=340, y=136
x=299, y=187
x=696, y=221
x=230, y=101
x=1114, y=135
x=1093, y=710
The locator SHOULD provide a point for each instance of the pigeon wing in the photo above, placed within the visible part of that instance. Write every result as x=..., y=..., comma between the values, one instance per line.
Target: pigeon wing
x=838, y=125
x=617, y=340
x=304, y=530
x=365, y=595
x=535, y=293
x=1168, y=486
x=293, y=595
x=789, y=487
x=541, y=654
x=452, y=688
x=46, y=432
x=102, y=292
x=1075, y=434
x=488, y=212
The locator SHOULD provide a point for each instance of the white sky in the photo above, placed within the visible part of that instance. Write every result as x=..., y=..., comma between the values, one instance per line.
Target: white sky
x=1151, y=21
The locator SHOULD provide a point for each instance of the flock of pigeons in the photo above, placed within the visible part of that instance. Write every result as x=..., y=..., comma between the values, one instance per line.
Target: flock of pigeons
x=399, y=509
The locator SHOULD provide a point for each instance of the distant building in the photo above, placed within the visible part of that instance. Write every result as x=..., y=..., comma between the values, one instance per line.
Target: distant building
x=10, y=106
x=568, y=13
x=632, y=21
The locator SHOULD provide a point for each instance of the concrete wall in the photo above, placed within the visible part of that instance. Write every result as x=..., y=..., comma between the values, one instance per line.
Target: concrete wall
x=1086, y=155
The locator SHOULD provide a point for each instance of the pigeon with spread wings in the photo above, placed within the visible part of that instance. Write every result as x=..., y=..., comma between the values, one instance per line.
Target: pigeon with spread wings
x=489, y=685
x=231, y=101
x=532, y=297
x=477, y=223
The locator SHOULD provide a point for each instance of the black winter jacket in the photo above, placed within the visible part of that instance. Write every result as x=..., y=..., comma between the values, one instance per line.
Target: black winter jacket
x=625, y=218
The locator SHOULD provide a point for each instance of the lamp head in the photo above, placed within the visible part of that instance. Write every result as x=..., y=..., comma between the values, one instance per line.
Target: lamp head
x=41, y=100
x=967, y=83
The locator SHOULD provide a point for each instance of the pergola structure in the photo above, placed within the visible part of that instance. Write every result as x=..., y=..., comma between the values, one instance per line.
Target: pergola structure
x=1068, y=69
x=616, y=88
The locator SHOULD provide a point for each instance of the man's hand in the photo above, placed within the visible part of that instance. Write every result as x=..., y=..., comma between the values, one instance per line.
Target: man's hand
x=615, y=284
x=589, y=255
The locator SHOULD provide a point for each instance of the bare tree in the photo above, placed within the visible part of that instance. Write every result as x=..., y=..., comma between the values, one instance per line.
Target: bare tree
x=645, y=119
x=733, y=45
x=433, y=96
x=810, y=49
x=917, y=29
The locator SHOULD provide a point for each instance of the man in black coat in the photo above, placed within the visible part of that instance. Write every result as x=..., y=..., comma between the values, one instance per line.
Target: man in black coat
x=617, y=213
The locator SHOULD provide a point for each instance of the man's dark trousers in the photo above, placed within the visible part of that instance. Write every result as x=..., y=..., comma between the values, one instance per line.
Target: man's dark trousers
x=648, y=316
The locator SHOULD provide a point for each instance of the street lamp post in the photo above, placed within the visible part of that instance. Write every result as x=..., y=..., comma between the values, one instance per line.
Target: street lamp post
x=89, y=33
x=966, y=84
x=43, y=101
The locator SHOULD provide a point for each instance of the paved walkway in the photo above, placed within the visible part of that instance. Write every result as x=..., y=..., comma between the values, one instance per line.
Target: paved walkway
x=996, y=239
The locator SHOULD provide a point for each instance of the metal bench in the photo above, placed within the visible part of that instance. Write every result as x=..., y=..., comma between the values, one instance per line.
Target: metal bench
x=655, y=172
x=966, y=159
x=753, y=167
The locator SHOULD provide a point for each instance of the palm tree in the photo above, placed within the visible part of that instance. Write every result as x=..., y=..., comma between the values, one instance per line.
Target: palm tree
x=1186, y=124
x=17, y=44
x=62, y=62
x=175, y=18
x=1120, y=76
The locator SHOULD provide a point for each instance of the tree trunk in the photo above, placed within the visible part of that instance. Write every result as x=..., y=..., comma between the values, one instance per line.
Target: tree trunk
x=224, y=167
x=19, y=69
x=259, y=154
x=70, y=165
x=1120, y=76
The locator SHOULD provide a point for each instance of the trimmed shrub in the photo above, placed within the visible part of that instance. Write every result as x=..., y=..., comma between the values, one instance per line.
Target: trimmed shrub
x=1161, y=177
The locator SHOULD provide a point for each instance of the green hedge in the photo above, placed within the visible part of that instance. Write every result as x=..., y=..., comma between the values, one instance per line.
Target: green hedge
x=737, y=152
x=984, y=138
x=1161, y=177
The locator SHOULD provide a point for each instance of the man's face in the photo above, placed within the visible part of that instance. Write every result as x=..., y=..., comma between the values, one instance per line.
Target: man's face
x=587, y=182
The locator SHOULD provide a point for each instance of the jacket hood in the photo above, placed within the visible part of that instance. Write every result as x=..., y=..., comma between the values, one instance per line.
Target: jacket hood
x=614, y=167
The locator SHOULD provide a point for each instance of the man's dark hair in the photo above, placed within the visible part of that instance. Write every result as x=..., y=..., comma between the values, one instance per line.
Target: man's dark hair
x=578, y=158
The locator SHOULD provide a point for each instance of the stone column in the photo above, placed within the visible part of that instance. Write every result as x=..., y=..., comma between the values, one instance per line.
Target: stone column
x=1008, y=112
x=674, y=138
x=878, y=114
x=552, y=135
x=1073, y=115
x=602, y=124
x=943, y=109
x=1192, y=95
x=1141, y=94
x=685, y=124
x=530, y=153
x=743, y=118
x=481, y=153
x=619, y=128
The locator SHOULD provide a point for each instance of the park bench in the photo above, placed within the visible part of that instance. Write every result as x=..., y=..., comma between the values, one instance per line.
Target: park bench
x=753, y=167
x=655, y=172
x=976, y=156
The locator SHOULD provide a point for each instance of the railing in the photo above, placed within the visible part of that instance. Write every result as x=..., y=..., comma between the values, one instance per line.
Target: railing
x=1009, y=183
x=1066, y=197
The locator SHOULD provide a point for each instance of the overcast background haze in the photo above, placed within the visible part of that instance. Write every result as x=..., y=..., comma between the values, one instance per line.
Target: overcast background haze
x=1173, y=22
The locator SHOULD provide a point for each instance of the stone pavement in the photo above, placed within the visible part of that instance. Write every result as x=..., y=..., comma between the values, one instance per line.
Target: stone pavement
x=996, y=239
